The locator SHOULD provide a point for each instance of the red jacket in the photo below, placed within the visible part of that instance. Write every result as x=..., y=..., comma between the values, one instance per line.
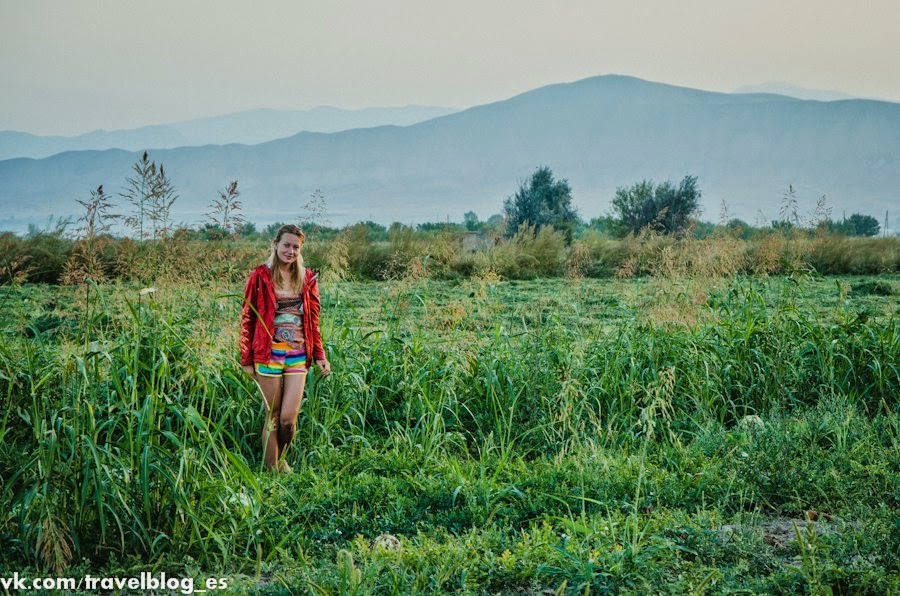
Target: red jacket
x=258, y=317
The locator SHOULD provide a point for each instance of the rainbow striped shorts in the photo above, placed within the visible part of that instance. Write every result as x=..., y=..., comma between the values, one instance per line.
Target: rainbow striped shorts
x=283, y=361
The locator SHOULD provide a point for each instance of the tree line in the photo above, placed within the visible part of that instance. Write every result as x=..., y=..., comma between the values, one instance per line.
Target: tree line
x=665, y=209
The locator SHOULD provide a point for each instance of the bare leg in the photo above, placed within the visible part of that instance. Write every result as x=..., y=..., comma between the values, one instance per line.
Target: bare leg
x=271, y=388
x=291, y=399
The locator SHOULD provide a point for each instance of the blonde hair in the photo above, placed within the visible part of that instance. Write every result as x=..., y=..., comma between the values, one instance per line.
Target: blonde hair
x=296, y=279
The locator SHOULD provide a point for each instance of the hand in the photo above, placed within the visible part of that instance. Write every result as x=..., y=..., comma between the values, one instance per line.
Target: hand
x=324, y=366
x=248, y=368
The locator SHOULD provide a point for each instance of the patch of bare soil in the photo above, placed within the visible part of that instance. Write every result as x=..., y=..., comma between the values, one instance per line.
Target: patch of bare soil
x=779, y=532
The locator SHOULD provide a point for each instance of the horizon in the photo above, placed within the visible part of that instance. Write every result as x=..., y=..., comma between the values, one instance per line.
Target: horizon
x=777, y=88
x=69, y=69
x=806, y=206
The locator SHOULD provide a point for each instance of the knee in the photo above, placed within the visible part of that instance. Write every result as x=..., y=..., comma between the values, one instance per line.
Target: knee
x=287, y=423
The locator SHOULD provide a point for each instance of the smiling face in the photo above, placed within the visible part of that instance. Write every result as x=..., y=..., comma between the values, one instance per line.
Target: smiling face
x=288, y=247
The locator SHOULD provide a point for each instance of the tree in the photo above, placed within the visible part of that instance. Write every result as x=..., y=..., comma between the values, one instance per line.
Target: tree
x=739, y=228
x=246, y=229
x=212, y=231
x=858, y=225
x=470, y=220
x=702, y=229
x=665, y=208
x=542, y=201
x=605, y=224
x=495, y=223
x=431, y=227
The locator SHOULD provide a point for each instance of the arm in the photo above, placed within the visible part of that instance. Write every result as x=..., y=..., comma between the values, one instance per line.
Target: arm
x=317, y=348
x=247, y=325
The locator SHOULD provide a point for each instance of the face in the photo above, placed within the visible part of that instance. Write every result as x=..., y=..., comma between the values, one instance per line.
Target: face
x=288, y=248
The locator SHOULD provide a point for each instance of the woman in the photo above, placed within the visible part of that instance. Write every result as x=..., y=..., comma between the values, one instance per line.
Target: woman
x=279, y=330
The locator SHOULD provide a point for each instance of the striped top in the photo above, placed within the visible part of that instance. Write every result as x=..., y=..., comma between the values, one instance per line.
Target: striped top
x=289, y=319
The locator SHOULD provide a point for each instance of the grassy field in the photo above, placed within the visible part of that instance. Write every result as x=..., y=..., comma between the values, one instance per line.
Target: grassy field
x=584, y=436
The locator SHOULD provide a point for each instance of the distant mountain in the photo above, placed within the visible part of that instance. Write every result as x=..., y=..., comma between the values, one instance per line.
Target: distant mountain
x=796, y=92
x=248, y=127
x=599, y=133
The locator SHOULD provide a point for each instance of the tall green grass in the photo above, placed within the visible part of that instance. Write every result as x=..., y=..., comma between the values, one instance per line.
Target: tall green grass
x=119, y=444
x=558, y=435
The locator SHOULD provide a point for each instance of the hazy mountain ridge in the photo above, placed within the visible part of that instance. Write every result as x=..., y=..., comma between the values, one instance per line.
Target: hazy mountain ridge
x=248, y=127
x=797, y=92
x=599, y=133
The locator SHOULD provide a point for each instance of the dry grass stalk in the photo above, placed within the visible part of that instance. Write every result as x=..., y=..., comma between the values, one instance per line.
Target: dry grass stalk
x=54, y=544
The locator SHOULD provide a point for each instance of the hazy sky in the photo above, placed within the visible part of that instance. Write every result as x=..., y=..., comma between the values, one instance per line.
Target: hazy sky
x=68, y=67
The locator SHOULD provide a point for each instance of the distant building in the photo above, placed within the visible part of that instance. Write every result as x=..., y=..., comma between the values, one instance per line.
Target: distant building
x=476, y=241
